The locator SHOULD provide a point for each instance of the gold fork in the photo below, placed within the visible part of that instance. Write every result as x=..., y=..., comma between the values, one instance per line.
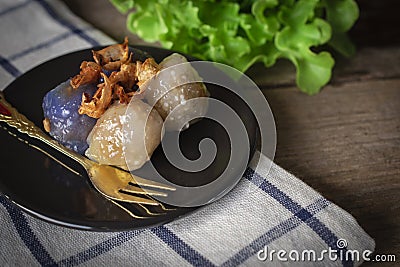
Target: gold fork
x=110, y=181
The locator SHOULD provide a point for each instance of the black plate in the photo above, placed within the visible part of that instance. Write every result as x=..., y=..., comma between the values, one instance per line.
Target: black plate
x=45, y=189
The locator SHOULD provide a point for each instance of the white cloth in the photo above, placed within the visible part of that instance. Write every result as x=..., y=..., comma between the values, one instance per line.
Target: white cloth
x=242, y=228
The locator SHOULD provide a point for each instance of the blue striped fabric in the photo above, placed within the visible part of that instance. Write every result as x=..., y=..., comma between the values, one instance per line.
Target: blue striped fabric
x=11, y=8
x=179, y=243
x=98, y=249
x=73, y=29
x=42, y=45
x=46, y=7
x=300, y=215
x=26, y=234
x=274, y=233
x=180, y=247
x=7, y=66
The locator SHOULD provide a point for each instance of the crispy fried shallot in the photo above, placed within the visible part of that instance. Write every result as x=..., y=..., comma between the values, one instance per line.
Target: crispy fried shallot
x=126, y=76
x=47, y=125
x=146, y=70
x=119, y=85
x=90, y=73
x=123, y=82
x=112, y=57
x=95, y=106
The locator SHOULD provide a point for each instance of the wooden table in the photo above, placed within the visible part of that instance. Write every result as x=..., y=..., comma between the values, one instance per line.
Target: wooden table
x=343, y=142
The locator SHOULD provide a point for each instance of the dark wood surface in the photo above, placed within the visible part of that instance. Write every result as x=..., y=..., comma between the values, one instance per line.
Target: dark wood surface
x=344, y=142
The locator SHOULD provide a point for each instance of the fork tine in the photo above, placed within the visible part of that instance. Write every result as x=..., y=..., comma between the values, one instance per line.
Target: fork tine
x=138, y=190
x=129, y=212
x=165, y=208
x=120, y=196
x=144, y=182
x=149, y=212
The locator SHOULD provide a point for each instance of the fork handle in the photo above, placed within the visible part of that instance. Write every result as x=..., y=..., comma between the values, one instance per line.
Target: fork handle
x=13, y=118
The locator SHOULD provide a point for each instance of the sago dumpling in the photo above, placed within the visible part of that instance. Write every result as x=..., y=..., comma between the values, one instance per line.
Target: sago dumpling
x=170, y=89
x=125, y=135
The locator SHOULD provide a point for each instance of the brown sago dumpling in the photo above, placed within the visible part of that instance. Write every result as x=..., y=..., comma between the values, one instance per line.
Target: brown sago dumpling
x=173, y=88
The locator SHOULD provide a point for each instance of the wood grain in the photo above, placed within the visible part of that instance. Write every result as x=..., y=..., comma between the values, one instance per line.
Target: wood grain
x=345, y=141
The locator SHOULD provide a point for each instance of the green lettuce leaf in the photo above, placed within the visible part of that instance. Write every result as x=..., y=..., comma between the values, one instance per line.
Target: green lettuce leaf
x=241, y=33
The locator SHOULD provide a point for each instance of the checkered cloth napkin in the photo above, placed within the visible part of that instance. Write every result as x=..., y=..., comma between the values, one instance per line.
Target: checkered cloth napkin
x=269, y=210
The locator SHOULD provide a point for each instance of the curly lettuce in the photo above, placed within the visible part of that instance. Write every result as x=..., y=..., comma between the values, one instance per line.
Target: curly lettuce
x=241, y=33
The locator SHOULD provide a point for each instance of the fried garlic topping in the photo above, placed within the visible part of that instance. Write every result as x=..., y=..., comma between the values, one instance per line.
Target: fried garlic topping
x=95, y=106
x=146, y=70
x=119, y=85
x=90, y=73
x=47, y=125
x=112, y=57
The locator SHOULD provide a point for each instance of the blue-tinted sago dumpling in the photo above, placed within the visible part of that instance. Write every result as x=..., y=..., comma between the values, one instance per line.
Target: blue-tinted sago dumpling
x=62, y=120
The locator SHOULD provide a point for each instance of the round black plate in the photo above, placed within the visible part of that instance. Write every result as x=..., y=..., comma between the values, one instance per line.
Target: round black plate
x=46, y=189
